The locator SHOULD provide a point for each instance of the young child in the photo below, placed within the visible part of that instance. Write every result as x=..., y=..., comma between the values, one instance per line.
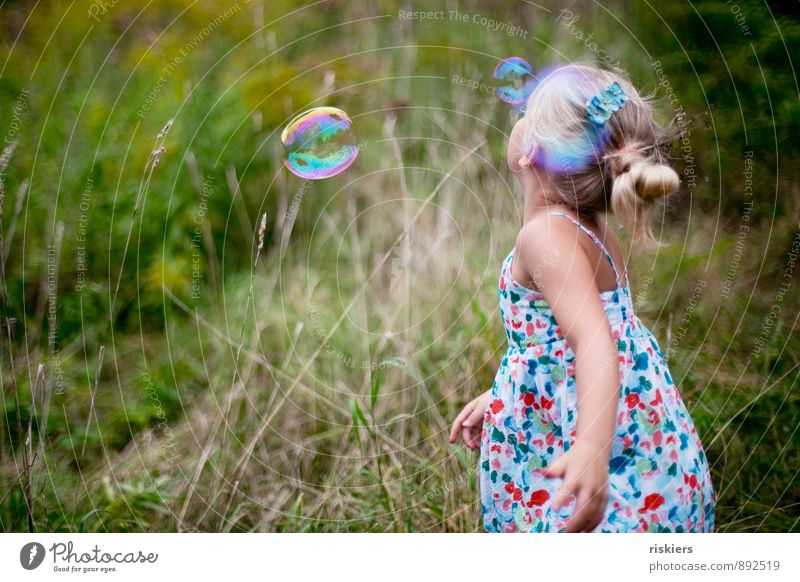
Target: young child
x=583, y=428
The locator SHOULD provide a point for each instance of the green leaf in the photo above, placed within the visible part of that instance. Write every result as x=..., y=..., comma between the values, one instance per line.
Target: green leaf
x=376, y=386
x=359, y=419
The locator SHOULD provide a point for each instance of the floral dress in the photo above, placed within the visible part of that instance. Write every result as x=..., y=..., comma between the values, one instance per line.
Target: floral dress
x=659, y=479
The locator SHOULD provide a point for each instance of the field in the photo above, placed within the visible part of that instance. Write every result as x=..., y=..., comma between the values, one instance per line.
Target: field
x=195, y=339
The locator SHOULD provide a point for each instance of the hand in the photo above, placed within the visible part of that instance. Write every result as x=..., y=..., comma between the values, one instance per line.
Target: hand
x=584, y=468
x=469, y=421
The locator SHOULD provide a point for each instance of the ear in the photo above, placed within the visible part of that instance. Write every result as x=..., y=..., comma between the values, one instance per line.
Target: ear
x=515, y=155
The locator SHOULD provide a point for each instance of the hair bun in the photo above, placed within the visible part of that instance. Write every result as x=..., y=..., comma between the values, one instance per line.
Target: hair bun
x=653, y=180
x=638, y=181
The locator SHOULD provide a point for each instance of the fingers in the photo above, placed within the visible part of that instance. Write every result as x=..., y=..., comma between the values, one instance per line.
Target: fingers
x=562, y=496
x=589, y=512
x=580, y=519
x=471, y=437
x=475, y=417
x=558, y=468
x=459, y=420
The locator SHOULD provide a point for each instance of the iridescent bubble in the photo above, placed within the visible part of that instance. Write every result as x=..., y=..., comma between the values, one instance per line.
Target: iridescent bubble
x=321, y=143
x=516, y=81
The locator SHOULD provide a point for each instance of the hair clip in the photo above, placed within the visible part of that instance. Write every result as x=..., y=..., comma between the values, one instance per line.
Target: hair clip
x=601, y=106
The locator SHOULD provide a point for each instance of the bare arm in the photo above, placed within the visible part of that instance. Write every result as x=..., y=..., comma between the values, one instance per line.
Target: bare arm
x=551, y=254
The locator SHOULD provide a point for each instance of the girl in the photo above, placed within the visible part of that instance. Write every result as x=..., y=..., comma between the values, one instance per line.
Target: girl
x=583, y=428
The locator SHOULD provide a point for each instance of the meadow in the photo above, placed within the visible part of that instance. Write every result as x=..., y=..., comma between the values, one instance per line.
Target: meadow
x=195, y=339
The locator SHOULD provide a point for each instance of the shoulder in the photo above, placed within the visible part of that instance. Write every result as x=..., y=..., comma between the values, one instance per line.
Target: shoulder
x=548, y=243
x=545, y=234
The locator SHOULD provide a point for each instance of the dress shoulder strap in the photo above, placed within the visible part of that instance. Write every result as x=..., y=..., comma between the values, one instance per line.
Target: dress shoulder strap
x=596, y=241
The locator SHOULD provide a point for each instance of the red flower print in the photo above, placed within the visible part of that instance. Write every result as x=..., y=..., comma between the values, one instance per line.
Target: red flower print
x=547, y=403
x=528, y=399
x=657, y=438
x=517, y=494
x=502, y=283
x=550, y=438
x=653, y=417
x=510, y=487
x=496, y=406
x=527, y=518
x=540, y=325
x=652, y=502
x=495, y=448
x=538, y=498
x=529, y=329
x=657, y=399
x=516, y=324
x=632, y=400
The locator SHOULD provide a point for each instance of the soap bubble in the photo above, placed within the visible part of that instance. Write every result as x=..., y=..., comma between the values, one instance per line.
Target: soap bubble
x=516, y=81
x=321, y=143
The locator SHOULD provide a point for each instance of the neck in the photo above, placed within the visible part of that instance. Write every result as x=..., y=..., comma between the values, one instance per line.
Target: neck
x=536, y=202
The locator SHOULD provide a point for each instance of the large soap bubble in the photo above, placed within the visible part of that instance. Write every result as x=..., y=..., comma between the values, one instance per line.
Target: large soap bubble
x=321, y=143
x=516, y=81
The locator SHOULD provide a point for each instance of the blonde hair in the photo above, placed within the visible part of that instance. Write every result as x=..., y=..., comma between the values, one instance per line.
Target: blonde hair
x=618, y=166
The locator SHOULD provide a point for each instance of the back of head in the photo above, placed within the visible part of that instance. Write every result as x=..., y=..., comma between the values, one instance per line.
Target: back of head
x=596, y=137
